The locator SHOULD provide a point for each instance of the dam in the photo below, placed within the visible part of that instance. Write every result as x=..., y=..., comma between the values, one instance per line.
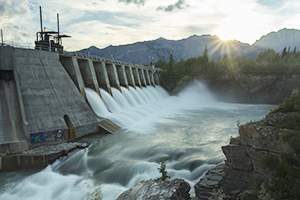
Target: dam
x=44, y=95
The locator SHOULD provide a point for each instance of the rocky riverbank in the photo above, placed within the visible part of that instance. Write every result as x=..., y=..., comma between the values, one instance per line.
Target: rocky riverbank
x=240, y=175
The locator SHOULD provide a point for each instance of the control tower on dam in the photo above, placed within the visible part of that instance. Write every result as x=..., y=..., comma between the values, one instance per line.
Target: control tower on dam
x=43, y=99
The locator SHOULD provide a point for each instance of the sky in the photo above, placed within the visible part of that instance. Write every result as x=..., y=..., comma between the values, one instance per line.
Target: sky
x=102, y=23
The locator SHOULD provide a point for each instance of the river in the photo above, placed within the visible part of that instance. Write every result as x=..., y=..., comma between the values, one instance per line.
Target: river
x=185, y=131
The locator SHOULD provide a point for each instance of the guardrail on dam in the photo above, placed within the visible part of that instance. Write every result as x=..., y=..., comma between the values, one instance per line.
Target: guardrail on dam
x=42, y=95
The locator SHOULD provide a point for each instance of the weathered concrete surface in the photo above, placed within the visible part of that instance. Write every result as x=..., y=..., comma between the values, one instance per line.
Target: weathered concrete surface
x=142, y=77
x=89, y=75
x=175, y=189
x=49, y=94
x=39, y=157
x=12, y=135
x=130, y=76
x=137, y=77
x=102, y=76
x=6, y=57
x=70, y=63
x=113, y=75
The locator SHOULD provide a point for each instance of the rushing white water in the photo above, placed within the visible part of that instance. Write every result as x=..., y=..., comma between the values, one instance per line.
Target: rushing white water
x=109, y=101
x=96, y=102
x=120, y=99
x=186, y=131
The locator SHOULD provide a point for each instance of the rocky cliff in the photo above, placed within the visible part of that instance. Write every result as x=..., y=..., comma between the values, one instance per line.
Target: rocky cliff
x=254, y=88
x=244, y=171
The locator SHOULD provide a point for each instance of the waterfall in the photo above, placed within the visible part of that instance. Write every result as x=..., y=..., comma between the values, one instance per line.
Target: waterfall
x=109, y=101
x=120, y=99
x=96, y=103
x=128, y=107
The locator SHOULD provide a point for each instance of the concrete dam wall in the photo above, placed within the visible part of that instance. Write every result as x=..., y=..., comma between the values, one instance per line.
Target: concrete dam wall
x=43, y=99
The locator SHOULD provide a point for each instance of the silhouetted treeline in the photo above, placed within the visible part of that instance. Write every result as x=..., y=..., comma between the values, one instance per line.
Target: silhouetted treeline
x=268, y=62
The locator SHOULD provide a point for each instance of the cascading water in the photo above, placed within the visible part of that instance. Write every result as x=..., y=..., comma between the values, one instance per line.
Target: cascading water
x=136, y=96
x=96, y=103
x=186, y=131
x=120, y=99
x=128, y=96
x=109, y=101
x=142, y=94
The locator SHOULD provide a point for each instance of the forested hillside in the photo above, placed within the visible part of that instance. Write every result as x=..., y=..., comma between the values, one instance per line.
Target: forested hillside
x=267, y=62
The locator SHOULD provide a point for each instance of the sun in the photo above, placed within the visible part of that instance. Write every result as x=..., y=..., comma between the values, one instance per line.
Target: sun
x=227, y=31
x=225, y=37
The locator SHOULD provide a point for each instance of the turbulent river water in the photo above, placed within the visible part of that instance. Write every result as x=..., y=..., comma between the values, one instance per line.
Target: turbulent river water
x=186, y=131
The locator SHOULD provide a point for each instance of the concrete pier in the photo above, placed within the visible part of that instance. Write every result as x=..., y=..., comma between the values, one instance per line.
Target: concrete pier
x=122, y=75
x=130, y=77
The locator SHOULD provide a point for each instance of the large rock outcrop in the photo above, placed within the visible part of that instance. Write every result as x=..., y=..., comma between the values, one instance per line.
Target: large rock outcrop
x=209, y=184
x=243, y=171
x=175, y=189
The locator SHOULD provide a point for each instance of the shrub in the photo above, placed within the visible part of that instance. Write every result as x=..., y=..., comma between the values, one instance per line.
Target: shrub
x=286, y=183
x=163, y=171
x=290, y=104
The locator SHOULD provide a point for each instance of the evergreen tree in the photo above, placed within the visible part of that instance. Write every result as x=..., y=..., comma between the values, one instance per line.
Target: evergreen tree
x=283, y=52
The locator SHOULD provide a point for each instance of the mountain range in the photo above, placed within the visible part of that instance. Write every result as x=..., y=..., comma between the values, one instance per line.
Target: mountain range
x=193, y=46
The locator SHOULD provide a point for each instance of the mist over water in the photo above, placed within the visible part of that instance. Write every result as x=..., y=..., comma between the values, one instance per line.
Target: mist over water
x=186, y=131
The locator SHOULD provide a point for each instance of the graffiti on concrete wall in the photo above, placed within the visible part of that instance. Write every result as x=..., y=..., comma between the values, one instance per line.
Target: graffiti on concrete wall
x=48, y=136
x=60, y=134
x=37, y=137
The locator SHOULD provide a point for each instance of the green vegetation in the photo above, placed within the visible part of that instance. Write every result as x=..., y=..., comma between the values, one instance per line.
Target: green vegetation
x=268, y=62
x=286, y=183
x=163, y=171
x=217, y=194
x=290, y=104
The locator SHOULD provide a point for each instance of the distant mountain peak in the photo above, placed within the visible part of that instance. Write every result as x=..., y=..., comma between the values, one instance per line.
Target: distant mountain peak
x=278, y=40
x=194, y=46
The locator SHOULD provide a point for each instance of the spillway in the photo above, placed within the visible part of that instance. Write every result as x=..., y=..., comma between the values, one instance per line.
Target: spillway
x=127, y=107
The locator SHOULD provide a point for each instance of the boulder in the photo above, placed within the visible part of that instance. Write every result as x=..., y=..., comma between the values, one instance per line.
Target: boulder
x=204, y=188
x=153, y=189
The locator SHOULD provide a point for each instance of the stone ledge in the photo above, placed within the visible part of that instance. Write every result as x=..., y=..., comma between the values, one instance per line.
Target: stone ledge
x=39, y=157
x=211, y=180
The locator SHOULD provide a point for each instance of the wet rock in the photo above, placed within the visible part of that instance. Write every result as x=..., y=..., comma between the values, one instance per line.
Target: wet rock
x=175, y=189
x=204, y=188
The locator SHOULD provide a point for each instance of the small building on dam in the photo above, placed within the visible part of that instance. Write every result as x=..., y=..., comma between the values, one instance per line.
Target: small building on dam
x=42, y=94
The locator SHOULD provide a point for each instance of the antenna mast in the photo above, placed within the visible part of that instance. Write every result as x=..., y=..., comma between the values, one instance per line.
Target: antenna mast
x=58, y=38
x=2, y=38
x=41, y=20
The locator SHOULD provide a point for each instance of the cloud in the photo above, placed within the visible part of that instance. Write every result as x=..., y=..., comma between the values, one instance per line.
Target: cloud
x=138, y=2
x=9, y=9
x=180, y=4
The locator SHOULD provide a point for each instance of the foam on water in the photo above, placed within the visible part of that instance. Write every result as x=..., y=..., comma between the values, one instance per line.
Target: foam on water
x=186, y=131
